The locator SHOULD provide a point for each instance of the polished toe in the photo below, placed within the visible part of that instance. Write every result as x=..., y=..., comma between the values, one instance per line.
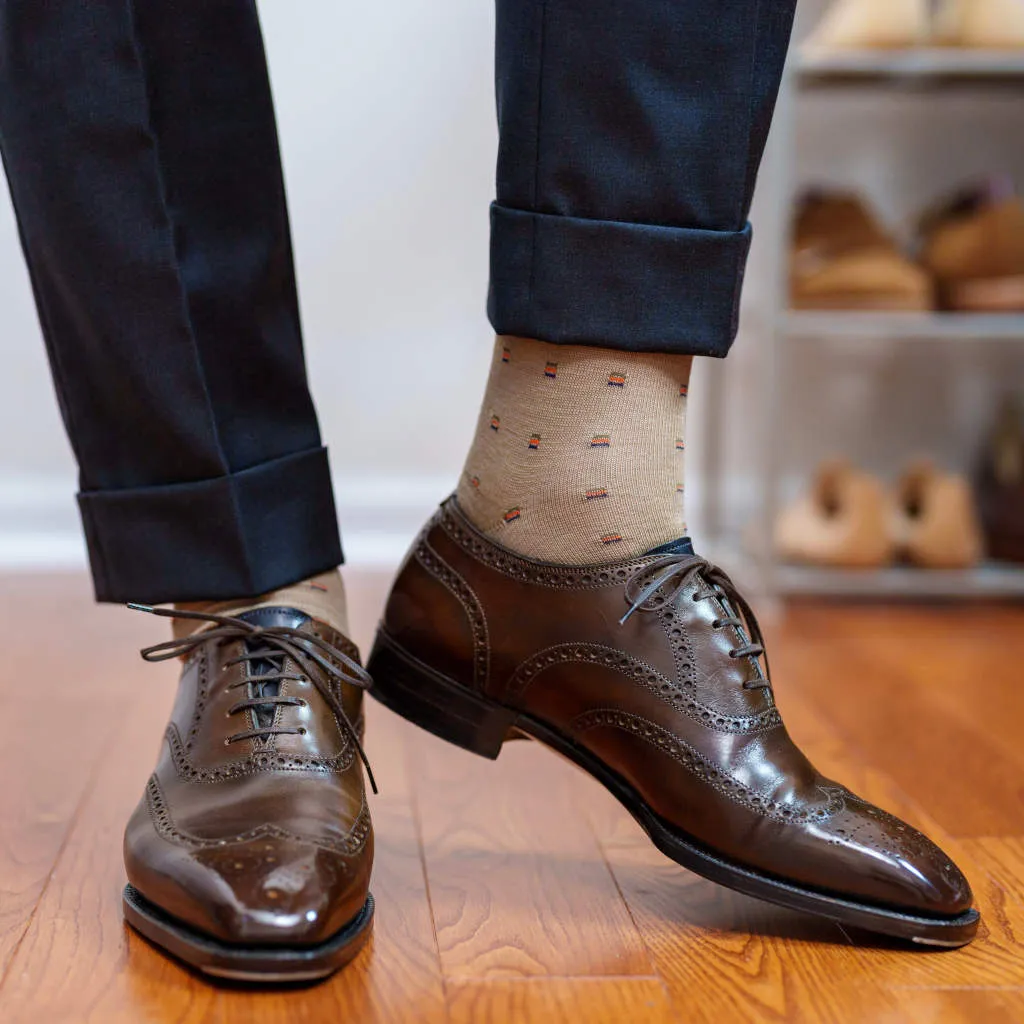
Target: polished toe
x=889, y=862
x=267, y=891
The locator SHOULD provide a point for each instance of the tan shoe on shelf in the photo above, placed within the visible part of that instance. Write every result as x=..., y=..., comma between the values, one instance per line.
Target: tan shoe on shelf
x=840, y=521
x=843, y=259
x=974, y=246
x=980, y=24
x=870, y=25
x=933, y=519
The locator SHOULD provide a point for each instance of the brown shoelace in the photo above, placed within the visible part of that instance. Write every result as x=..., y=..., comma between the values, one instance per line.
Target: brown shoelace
x=322, y=663
x=667, y=575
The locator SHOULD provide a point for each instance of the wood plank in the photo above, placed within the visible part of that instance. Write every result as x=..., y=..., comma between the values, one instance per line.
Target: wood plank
x=65, y=685
x=559, y=1001
x=953, y=1006
x=36, y=811
x=888, y=713
x=517, y=882
x=72, y=962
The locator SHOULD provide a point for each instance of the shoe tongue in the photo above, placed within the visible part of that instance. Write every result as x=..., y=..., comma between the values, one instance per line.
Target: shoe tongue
x=680, y=546
x=290, y=617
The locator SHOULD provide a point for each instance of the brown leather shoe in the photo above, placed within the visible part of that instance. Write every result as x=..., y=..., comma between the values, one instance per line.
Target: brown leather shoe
x=643, y=673
x=973, y=245
x=249, y=855
x=842, y=258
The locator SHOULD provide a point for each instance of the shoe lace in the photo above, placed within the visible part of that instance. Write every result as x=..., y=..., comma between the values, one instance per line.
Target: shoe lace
x=321, y=663
x=657, y=584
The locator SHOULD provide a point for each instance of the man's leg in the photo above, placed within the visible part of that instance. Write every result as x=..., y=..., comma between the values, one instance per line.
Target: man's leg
x=141, y=152
x=630, y=142
x=556, y=595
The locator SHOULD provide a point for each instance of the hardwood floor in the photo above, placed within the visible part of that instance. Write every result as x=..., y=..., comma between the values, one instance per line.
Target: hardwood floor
x=519, y=890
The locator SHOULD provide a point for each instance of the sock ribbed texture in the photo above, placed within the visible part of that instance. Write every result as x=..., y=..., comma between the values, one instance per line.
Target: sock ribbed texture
x=321, y=597
x=578, y=453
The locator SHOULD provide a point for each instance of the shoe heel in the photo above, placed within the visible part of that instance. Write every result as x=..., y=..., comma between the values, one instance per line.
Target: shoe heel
x=435, y=703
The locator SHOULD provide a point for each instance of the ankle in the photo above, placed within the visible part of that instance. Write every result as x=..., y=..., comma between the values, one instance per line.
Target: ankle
x=321, y=597
x=578, y=452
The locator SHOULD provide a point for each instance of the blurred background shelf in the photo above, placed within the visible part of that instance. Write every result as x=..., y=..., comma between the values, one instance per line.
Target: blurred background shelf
x=856, y=324
x=879, y=90
x=989, y=580
x=938, y=65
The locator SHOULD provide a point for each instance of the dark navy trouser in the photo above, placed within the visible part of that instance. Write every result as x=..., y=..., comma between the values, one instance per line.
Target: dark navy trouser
x=141, y=153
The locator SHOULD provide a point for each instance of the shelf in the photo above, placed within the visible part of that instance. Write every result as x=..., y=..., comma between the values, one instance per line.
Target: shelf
x=919, y=65
x=901, y=326
x=989, y=580
x=992, y=580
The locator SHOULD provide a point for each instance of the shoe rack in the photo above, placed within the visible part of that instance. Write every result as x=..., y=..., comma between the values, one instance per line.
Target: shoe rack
x=781, y=331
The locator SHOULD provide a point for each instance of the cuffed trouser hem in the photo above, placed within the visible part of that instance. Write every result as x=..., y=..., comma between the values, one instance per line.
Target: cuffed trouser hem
x=232, y=536
x=639, y=287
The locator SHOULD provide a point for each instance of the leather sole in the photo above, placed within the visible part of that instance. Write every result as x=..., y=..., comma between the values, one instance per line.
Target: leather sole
x=443, y=707
x=262, y=964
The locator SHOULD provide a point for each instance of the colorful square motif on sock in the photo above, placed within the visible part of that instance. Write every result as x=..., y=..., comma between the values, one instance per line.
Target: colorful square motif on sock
x=536, y=503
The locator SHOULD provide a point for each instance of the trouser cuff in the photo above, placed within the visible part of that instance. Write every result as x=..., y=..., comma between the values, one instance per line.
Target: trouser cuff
x=238, y=535
x=639, y=287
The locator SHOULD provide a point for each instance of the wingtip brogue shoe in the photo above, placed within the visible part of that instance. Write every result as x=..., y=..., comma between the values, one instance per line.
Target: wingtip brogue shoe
x=650, y=675
x=250, y=852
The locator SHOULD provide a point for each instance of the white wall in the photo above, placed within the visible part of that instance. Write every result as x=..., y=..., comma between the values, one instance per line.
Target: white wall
x=387, y=125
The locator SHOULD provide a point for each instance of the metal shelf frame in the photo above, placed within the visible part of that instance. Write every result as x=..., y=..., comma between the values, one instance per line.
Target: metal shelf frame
x=783, y=328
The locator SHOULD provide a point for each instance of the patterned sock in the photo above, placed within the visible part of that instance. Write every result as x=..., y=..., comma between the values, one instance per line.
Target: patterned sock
x=321, y=597
x=578, y=454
